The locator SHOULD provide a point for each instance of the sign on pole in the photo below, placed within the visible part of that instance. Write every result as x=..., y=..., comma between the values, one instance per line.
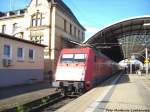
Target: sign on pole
x=146, y=60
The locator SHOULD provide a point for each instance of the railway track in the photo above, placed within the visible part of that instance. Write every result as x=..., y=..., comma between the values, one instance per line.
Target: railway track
x=37, y=105
x=46, y=102
x=58, y=104
x=32, y=103
x=49, y=104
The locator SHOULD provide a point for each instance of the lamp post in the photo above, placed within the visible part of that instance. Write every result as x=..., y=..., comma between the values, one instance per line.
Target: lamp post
x=130, y=67
x=146, y=51
x=146, y=60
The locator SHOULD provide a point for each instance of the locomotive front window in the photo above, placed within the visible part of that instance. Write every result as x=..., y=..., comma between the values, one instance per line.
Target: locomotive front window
x=67, y=58
x=79, y=57
x=71, y=58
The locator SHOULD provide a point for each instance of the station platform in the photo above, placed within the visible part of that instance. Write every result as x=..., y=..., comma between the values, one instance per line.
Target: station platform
x=11, y=97
x=129, y=93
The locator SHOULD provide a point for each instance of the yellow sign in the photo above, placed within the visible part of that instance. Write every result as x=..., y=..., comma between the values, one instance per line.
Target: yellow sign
x=146, y=60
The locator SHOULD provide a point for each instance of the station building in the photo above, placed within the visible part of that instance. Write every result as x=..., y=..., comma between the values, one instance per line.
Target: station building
x=21, y=61
x=48, y=22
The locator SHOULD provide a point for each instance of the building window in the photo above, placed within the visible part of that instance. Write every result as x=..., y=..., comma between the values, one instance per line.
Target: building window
x=82, y=36
x=71, y=29
x=20, y=54
x=39, y=19
x=7, y=51
x=38, y=2
x=31, y=54
x=33, y=20
x=3, y=28
x=75, y=31
x=15, y=27
x=65, y=23
x=79, y=34
x=36, y=19
x=42, y=19
x=37, y=39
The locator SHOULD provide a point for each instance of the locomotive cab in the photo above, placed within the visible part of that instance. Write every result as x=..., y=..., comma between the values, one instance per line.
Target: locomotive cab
x=70, y=72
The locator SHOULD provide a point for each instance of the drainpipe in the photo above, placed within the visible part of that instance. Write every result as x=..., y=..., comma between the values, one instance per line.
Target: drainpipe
x=52, y=34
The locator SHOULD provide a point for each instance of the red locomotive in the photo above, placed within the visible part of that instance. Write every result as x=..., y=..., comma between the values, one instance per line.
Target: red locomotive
x=81, y=69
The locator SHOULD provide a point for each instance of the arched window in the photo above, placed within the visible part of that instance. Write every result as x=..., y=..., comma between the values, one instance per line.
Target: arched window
x=36, y=19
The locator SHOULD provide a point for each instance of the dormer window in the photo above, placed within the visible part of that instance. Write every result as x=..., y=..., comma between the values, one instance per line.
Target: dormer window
x=36, y=19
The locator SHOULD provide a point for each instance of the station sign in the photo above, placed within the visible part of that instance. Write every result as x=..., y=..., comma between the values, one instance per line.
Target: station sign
x=146, y=60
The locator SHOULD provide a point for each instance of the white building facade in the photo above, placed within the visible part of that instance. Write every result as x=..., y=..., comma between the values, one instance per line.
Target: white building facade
x=48, y=22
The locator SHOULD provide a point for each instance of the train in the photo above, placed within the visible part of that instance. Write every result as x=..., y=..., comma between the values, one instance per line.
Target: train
x=80, y=69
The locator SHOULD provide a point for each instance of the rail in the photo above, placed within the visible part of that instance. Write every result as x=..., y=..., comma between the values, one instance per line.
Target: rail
x=37, y=105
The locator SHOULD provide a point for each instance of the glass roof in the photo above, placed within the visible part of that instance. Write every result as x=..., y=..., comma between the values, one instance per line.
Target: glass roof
x=131, y=36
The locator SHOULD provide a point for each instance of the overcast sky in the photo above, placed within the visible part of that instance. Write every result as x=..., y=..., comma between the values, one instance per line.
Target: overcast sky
x=94, y=14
